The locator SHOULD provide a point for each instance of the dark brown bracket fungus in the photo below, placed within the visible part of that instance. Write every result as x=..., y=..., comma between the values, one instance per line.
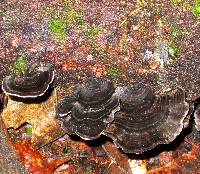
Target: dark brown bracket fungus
x=133, y=116
x=94, y=109
x=33, y=83
x=64, y=108
x=146, y=120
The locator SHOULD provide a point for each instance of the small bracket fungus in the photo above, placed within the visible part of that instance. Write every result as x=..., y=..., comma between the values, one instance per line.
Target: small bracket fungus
x=96, y=103
x=33, y=83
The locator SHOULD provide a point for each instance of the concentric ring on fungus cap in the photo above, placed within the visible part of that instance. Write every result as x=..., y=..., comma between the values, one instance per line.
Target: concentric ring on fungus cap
x=96, y=103
x=35, y=82
x=146, y=120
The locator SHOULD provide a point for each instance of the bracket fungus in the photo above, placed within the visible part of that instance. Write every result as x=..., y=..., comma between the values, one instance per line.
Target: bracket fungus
x=64, y=108
x=33, y=83
x=145, y=119
x=94, y=109
x=133, y=116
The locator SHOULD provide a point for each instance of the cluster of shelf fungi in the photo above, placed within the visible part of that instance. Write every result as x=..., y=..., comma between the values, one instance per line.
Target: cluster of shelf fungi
x=133, y=116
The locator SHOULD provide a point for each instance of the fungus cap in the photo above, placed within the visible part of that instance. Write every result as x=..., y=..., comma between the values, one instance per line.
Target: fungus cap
x=35, y=82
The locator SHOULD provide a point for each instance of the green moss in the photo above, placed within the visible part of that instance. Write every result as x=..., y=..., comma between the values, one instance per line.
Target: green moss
x=175, y=44
x=58, y=29
x=114, y=72
x=196, y=11
x=28, y=131
x=93, y=31
x=7, y=19
x=1, y=13
x=177, y=33
x=181, y=3
x=72, y=16
x=59, y=24
x=175, y=2
x=103, y=54
x=69, y=17
x=187, y=7
x=49, y=11
x=65, y=150
x=184, y=4
x=81, y=23
x=196, y=8
x=19, y=65
x=123, y=45
x=93, y=44
x=174, y=49
x=67, y=5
